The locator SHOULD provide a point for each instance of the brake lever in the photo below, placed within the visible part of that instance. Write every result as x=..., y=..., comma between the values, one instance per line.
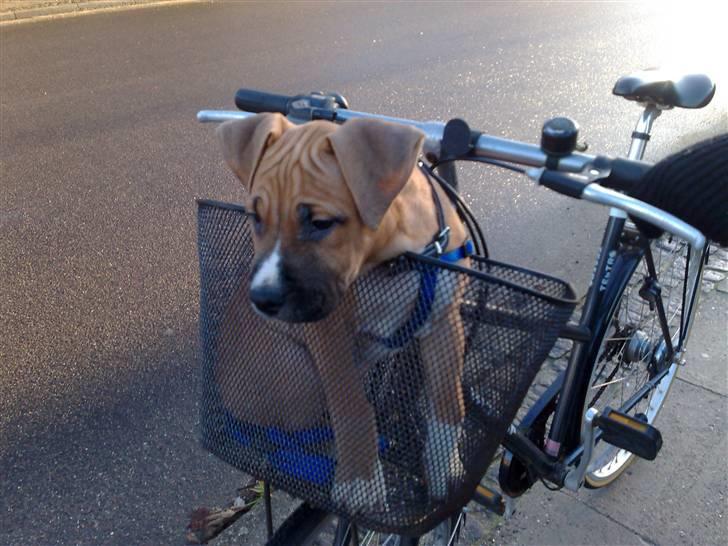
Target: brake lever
x=316, y=105
x=594, y=171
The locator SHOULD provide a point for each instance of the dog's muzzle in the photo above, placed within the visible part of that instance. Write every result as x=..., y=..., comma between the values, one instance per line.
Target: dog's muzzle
x=267, y=300
x=293, y=294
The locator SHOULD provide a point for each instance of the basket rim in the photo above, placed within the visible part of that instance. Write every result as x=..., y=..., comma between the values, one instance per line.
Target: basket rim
x=201, y=202
x=567, y=300
x=571, y=299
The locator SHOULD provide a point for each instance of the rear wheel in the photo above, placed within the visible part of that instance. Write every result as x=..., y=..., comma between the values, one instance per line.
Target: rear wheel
x=633, y=350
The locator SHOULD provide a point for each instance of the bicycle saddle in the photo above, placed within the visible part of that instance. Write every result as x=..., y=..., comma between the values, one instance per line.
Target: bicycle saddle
x=655, y=86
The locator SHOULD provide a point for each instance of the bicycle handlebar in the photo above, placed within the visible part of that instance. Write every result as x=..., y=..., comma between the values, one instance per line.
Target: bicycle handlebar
x=486, y=146
x=616, y=173
x=251, y=100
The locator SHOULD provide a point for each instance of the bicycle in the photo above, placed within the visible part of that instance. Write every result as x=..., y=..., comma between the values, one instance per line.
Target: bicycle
x=631, y=336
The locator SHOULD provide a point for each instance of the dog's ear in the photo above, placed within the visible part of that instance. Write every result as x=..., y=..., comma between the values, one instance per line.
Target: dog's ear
x=244, y=141
x=376, y=159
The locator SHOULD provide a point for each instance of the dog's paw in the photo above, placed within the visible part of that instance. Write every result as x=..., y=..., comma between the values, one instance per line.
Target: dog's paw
x=442, y=458
x=360, y=494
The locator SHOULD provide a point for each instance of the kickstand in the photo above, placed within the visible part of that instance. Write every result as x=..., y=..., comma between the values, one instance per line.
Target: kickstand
x=268, y=510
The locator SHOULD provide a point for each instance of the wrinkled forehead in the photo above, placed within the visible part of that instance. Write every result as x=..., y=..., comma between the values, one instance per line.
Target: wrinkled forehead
x=301, y=160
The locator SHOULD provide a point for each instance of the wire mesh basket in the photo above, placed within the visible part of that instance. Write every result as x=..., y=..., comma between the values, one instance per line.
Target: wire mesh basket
x=389, y=417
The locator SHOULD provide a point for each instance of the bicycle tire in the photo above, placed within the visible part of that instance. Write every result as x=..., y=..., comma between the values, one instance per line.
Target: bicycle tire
x=445, y=534
x=632, y=338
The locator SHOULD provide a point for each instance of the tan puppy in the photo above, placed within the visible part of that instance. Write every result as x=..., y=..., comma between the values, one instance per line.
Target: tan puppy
x=329, y=204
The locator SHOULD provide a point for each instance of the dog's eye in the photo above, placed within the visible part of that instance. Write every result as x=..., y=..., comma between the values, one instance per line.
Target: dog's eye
x=257, y=221
x=315, y=229
x=323, y=224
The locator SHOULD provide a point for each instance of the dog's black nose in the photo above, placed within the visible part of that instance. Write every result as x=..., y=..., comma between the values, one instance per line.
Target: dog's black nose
x=268, y=300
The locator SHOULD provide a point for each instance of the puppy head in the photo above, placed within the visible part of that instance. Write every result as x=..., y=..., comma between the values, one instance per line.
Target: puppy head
x=317, y=193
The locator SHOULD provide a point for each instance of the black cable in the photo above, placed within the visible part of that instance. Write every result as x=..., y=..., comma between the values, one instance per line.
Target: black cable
x=454, y=195
x=464, y=211
x=429, y=172
x=466, y=215
x=473, y=227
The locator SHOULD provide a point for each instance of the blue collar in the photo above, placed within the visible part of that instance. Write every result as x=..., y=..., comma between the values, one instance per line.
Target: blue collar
x=455, y=255
x=426, y=298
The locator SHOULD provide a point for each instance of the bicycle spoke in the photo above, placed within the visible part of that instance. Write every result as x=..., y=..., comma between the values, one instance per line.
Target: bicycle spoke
x=609, y=383
x=455, y=529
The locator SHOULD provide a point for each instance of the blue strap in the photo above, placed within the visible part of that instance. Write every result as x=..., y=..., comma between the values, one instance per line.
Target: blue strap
x=428, y=289
x=297, y=453
x=419, y=315
x=457, y=254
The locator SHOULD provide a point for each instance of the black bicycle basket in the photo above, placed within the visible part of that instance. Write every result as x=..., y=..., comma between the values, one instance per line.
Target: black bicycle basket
x=418, y=391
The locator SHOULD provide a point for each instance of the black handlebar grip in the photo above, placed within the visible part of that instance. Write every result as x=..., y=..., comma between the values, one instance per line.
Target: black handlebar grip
x=562, y=183
x=251, y=100
x=625, y=174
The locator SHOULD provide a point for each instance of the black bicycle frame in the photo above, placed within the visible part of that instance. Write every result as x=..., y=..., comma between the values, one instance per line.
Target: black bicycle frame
x=614, y=267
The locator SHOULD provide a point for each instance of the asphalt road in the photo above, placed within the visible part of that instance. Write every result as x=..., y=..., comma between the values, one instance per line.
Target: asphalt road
x=101, y=159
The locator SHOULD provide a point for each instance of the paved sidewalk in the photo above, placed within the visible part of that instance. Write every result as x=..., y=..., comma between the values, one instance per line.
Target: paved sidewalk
x=24, y=10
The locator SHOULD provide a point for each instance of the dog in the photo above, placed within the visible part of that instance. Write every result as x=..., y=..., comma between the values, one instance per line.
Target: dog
x=330, y=203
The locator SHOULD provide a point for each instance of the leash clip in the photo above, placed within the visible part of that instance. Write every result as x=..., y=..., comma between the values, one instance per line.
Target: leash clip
x=441, y=240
